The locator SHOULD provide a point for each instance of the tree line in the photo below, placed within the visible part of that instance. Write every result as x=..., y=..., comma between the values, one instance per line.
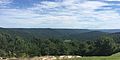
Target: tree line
x=20, y=47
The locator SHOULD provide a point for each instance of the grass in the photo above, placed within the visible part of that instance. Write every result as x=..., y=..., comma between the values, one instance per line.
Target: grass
x=113, y=57
x=99, y=58
x=95, y=58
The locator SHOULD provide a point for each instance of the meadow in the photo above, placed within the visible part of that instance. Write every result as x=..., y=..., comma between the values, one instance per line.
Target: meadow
x=113, y=57
x=96, y=58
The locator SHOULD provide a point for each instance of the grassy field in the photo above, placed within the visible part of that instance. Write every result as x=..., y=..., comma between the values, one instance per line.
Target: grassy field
x=113, y=57
x=96, y=58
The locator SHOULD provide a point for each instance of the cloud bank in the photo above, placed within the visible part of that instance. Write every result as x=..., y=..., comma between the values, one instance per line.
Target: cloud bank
x=82, y=14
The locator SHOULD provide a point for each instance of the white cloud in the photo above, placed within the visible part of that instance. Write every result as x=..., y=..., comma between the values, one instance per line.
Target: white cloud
x=66, y=14
x=112, y=0
x=3, y=3
x=92, y=5
x=46, y=4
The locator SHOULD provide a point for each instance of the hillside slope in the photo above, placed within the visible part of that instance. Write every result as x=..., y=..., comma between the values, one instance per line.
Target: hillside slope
x=46, y=33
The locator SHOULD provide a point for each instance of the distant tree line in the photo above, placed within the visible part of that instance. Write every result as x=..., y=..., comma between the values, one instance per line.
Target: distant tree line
x=19, y=47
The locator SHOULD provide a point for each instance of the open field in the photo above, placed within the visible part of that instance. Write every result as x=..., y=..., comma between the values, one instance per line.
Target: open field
x=96, y=58
x=112, y=57
x=83, y=58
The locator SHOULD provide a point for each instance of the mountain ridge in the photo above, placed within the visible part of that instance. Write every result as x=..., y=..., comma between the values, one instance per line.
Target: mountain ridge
x=46, y=33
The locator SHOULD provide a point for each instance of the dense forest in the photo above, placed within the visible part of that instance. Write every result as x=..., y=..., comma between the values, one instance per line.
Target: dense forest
x=21, y=42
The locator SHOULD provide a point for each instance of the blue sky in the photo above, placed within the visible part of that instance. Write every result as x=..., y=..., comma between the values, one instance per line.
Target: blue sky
x=81, y=14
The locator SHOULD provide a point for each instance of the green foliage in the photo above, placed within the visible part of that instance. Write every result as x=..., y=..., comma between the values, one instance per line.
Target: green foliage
x=105, y=46
x=36, y=42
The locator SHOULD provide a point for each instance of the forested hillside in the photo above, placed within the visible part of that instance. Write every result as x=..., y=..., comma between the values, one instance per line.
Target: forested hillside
x=46, y=33
x=21, y=42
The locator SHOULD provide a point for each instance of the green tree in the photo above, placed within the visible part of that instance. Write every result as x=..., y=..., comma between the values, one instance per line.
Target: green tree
x=105, y=46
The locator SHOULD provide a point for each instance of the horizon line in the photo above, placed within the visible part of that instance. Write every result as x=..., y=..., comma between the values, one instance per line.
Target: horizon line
x=59, y=28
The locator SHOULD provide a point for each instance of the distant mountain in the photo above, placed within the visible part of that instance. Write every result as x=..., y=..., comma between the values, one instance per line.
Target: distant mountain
x=43, y=33
x=92, y=35
x=109, y=30
x=118, y=33
x=46, y=33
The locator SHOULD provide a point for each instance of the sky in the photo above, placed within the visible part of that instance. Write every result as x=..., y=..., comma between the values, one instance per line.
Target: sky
x=80, y=14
